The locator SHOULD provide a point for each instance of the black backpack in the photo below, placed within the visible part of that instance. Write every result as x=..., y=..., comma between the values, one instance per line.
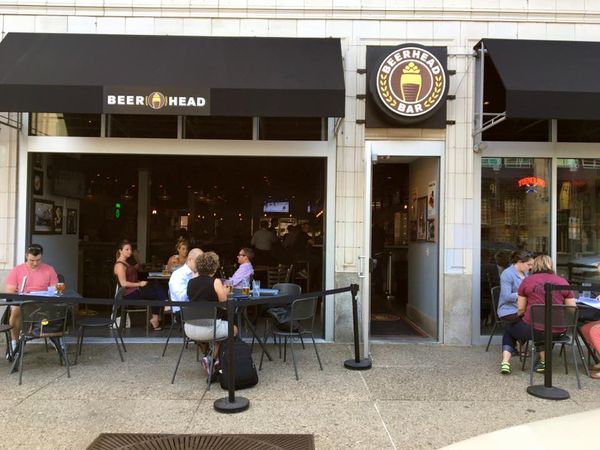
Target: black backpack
x=245, y=370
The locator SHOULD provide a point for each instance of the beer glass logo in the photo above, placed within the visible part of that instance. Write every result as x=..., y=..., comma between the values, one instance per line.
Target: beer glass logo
x=410, y=83
x=156, y=100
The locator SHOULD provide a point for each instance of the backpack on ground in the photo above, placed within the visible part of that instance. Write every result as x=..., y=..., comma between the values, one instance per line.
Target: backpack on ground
x=245, y=370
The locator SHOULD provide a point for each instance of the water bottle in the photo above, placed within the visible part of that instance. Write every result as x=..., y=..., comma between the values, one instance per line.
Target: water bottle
x=587, y=294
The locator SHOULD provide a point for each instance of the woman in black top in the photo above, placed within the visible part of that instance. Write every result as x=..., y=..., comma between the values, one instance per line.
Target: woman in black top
x=204, y=287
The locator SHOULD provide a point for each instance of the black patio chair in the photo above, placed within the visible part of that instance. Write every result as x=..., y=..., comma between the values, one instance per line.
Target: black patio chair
x=495, y=293
x=199, y=313
x=41, y=320
x=302, y=309
x=5, y=328
x=563, y=316
x=109, y=322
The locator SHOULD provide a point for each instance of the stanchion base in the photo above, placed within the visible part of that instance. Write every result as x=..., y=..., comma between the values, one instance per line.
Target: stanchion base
x=549, y=393
x=223, y=405
x=363, y=364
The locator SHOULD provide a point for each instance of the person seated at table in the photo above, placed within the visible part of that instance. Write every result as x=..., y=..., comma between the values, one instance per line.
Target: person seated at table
x=126, y=272
x=245, y=269
x=204, y=287
x=180, y=258
x=591, y=333
x=33, y=275
x=531, y=292
x=510, y=280
x=178, y=282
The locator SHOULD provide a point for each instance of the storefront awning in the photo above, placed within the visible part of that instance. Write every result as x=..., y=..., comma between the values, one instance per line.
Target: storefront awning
x=547, y=79
x=219, y=76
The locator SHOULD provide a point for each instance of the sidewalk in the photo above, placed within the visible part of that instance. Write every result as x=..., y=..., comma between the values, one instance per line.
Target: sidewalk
x=416, y=396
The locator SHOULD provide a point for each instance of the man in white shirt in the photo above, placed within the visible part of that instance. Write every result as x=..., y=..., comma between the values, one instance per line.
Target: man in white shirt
x=180, y=278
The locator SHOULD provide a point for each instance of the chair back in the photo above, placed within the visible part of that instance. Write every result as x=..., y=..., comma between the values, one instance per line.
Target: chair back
x=44, y=319
x=495, y=293
x=199, y=311
x=119, y=293
x=279, y=274
x=304, y=308
x=563, y=316
x=288, y=288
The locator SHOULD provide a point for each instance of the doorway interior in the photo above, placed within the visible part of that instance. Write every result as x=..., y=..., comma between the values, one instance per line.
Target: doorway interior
x=404, y=248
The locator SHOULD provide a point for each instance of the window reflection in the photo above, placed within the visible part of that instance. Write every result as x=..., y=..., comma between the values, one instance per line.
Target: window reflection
x=578, y=219
x=515, y=215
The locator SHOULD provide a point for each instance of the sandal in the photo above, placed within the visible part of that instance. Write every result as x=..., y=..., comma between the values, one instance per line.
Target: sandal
x=595, y=376
x=505, y=368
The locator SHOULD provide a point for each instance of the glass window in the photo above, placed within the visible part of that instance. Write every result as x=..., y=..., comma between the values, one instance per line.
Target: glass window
x=142, y=126
x=578, y=219
x=64, y=124
x=515, y=215
x=212, y=127
x=292, y=129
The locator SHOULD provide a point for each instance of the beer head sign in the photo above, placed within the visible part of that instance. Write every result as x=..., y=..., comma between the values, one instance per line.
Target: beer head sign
x=140, y=100
x=409, y=84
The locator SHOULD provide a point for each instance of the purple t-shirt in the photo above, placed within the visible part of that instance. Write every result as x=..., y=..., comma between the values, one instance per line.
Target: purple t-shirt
x=532, y=287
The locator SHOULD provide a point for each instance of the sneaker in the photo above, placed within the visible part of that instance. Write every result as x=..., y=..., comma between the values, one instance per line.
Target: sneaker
x=505, y=368
x=540, y=366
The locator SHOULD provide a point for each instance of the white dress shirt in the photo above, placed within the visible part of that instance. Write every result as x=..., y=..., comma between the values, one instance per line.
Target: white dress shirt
x=178, y=285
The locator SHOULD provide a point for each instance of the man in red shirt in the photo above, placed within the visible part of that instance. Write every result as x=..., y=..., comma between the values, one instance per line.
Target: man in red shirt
x=32, y=275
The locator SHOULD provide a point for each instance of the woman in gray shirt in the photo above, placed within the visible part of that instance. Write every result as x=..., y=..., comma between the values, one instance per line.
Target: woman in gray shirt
x=510, y=280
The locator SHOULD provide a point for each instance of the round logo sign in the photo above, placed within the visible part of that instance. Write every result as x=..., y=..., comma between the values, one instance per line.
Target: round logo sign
x=156, y=100
x=409, y=84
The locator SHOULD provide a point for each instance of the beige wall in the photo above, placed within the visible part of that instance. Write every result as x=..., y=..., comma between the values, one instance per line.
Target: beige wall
x=457, y=24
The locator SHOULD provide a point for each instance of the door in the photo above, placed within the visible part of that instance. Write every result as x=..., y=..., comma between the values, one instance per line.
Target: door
x=399, y=267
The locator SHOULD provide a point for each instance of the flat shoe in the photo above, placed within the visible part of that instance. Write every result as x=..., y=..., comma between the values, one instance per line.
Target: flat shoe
x=595, y=367
x=595, y=376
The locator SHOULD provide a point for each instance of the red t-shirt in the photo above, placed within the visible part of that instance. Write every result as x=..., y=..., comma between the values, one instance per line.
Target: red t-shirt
x=39, y=279
x=532, y=287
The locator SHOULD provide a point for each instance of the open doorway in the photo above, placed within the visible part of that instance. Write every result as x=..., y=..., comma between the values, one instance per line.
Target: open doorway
x=404, y=247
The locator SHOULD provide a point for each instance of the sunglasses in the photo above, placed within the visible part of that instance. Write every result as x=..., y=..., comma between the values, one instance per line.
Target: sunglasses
x=35, y=250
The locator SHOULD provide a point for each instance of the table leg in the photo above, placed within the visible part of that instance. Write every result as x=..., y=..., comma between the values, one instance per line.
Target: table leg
x=248, y=323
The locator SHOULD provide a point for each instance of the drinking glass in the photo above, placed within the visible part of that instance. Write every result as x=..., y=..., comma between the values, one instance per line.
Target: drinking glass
x=256, y=288
x=60, y=288
x=245, y=287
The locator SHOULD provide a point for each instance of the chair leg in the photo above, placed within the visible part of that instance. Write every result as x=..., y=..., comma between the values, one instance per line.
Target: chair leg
x=148, y=315
x=582, y=356
x=285, y=348
x=179, y=360
x=575, y=362
x=316, y=351
x=265, y=337
x=112, y=332
x=118, y=330
x=302, y=341
x=46, y=344
x=532, y=363
x=63, y=352
x=293, y=356
x=169, y=336
x=491, y=336
x=564, y=353
x=21, y=354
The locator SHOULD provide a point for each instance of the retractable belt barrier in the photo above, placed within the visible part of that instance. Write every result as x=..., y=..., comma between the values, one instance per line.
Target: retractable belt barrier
x=547, y=391
x=231, y=403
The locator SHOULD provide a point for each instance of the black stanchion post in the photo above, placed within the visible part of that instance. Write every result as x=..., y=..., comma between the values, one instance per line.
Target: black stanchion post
x=356, y=363
x=547, y=391
x=231, y=403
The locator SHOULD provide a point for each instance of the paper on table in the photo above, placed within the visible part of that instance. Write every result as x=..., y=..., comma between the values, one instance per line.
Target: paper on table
x=42, y=293
x=588, y=301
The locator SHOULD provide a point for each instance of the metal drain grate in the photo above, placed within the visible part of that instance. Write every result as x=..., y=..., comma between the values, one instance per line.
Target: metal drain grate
x=131, y=441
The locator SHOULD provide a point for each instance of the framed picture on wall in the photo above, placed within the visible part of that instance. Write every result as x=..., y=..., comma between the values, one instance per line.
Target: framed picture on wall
x=42, y=219
x=37, y=182
x=71, y=221
x=421, y=218
x=37, y=161
x=58, y=219
x=431, y=230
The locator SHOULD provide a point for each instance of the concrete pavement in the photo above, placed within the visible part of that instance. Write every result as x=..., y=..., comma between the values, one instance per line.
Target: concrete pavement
x=416, y=396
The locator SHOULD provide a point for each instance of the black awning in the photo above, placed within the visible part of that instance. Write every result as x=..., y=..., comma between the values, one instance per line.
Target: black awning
x=547, y=79
x=237, y=76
